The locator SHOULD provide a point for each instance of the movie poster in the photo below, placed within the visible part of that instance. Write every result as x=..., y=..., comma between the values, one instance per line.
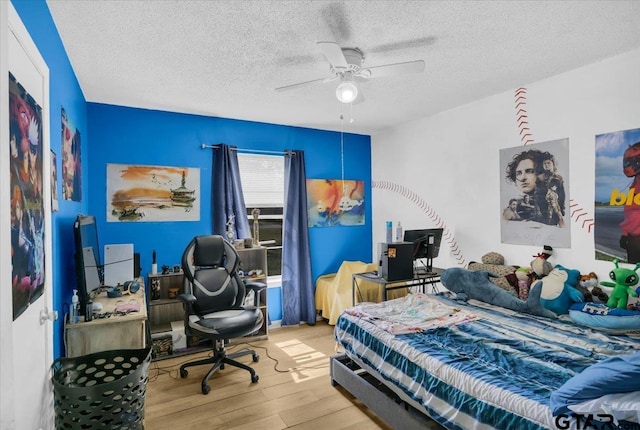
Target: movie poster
x=71, y=161
x=617, y=196
x=27, y=202
x=534, y=194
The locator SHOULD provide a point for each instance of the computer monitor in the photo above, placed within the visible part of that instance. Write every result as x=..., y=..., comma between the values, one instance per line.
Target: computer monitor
x=89, y=273
x=426, y=244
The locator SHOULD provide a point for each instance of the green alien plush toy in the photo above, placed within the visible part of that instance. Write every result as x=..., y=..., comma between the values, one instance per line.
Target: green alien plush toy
x=624, y=279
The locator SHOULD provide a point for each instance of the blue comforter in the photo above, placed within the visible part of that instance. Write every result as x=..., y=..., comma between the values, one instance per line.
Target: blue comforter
x=496, y=372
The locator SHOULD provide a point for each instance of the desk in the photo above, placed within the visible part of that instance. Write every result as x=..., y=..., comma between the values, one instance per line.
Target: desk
x=420, y=280
x=102, y=334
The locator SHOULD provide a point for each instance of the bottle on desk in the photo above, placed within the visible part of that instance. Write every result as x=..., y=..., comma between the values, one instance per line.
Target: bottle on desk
x=88, y=316
x=74, y=308
x=399, y=236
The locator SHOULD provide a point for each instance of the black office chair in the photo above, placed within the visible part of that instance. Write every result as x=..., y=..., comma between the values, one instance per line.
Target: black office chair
x=213, y=298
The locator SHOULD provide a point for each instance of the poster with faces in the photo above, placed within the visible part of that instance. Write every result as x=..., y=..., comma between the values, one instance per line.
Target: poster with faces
x=534, y=194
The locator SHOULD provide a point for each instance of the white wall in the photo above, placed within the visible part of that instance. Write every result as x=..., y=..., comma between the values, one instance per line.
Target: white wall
x=445, y=168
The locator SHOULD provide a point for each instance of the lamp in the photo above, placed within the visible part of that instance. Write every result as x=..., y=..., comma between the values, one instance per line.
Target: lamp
x=347, y=91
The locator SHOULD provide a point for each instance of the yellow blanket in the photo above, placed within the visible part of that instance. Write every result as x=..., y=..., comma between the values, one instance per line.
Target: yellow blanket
x=334, y=291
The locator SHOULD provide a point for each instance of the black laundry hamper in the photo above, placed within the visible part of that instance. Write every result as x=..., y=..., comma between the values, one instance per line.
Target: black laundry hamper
x=103, y=390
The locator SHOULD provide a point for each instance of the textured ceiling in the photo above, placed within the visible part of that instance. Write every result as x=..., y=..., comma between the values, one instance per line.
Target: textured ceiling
x=225, y=58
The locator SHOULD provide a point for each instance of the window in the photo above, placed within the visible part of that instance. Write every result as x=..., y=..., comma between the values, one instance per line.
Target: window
x=262, y=179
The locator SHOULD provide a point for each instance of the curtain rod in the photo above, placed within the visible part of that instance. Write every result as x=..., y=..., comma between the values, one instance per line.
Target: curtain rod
x=250, y=151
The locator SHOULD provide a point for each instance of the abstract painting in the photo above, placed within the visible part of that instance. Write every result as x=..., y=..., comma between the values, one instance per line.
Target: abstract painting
x=333, y=202
x=152, y=193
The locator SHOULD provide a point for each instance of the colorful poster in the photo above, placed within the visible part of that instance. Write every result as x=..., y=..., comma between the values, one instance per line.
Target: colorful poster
x=152, y=193
x=534, y=194
x=71, y=161
x=617, y=196
x=54, y=182
x=333, y=202
x=27, y=201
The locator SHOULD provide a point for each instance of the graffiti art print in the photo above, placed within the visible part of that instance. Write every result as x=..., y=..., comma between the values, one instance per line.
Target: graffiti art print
x=71, y=160
x=152, y=193
x=617, y=196
x=27, y=201
x=534, y=194
x=54, y=182
x=333, y=202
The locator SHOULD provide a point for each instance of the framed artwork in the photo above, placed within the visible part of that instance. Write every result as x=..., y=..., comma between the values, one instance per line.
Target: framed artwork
x=27, y=201
x=534, y=194
x=54, y=182
x=152, y=193
x=71, y=161
x=334, y=202
x=617, y=196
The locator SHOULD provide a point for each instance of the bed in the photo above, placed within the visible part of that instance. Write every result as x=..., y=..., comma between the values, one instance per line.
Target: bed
x=471, y=365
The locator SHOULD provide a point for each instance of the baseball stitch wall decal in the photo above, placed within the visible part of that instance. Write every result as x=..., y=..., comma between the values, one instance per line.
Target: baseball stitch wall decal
x=424, y=206
x=522, y=118
x=577, y=211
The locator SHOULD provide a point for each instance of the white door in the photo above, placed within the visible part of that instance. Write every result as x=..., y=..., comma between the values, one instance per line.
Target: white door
x=26, y=350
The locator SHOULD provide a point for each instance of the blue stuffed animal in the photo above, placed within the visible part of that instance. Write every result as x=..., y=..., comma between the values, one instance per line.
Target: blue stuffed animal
x=476, y=285
x=557, y=289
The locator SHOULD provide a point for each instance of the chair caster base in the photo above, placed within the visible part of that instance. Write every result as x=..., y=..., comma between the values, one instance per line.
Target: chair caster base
x=256, y=358
x=254, y=378
x=184, y=373
x=205, y=389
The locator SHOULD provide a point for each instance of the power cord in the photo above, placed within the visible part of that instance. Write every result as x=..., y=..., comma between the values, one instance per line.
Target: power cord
x=173, y=372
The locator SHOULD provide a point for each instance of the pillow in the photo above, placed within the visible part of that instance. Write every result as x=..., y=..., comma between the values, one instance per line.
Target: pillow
x=622, y=406
x=619, y=374
x=600, y=316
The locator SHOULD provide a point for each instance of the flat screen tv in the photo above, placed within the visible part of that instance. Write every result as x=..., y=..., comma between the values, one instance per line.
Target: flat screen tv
x=426, y=244
x=89, y=274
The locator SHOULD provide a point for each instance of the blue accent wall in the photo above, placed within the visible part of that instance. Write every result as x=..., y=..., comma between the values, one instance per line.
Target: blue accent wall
x=137, y=136
x=116, y=134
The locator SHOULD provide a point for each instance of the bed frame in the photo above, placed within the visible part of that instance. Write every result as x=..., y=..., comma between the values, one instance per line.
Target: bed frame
x=385, y=399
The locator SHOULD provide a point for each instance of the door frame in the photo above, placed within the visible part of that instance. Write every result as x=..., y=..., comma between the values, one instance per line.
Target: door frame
x=10, y=411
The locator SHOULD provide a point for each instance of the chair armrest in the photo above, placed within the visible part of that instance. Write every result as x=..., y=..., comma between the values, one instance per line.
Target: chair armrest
x=187, y=298
x=256, y=287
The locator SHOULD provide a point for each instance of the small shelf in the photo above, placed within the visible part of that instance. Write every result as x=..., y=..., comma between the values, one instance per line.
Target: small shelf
x=161, y=328
x=163, y=311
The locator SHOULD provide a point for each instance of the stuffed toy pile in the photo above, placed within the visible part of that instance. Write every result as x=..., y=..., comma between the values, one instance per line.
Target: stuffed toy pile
x=612, y=313
x=475, y=285
x=558, y=290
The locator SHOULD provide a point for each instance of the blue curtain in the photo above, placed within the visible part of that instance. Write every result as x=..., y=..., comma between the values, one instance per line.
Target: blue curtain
x=226, y=193
x=298, y=300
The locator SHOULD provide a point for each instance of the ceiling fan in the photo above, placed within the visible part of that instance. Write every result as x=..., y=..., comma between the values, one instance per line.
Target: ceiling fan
x=346, y=66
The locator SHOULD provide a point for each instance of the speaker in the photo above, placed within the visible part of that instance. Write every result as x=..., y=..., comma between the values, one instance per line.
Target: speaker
x=136, y=265
x=397, y=261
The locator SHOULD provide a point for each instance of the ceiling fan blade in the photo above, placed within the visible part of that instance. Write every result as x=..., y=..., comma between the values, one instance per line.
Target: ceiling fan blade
x=300, y=84
x=334, y=54
x=397, y=69
x=412, y=43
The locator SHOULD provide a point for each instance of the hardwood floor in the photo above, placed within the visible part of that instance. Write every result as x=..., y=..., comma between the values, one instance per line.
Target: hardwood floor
x=293, y=393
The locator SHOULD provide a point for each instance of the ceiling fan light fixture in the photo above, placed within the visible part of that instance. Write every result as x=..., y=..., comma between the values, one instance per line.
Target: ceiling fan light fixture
x=347, y=92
